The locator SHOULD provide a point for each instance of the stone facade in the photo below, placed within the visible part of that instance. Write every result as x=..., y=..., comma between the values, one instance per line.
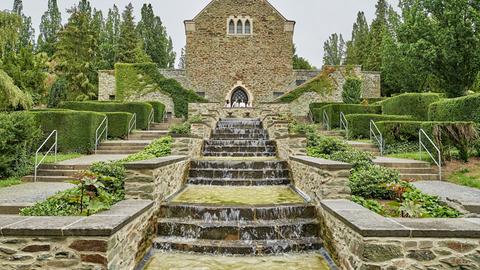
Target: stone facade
x=116, y=239
x=156, y=96
x=155, y=179
x=320, y=179
x=380, y=243
x=106, y=85
x=260, y=62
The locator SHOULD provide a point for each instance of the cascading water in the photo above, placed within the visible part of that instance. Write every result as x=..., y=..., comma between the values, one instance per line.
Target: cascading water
x=240, y=206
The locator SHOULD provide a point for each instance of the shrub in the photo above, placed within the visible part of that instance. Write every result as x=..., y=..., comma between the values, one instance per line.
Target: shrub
x=457, y=109
x=132, y=78
x=430, y=205
x=58, y=93
x=371, y=181
x=159, y=110
x=11, y=97
x=333, y=111
x=352, y=90
x=180, y=129
x=357, y=158
x=325, y=145
x=118, y=124
x=19, y=138
x=372, y=205
x=141, y=109
x=359, y=124
x=158, y=148
x=76, y=129
x=413, y=104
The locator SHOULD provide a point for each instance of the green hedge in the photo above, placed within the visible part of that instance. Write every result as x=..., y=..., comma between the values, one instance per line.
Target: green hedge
x=372, y=101
x=159, y=109
x=457, y=109
x=76, y=129
x=414, y=104
x=142, y=109
x=333, y=111
x=128, y=82
x=316, y=107
x=359, y=124
x=118, y=124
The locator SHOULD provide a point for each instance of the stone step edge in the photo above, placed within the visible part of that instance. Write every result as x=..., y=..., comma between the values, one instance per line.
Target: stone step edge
x=241, y=224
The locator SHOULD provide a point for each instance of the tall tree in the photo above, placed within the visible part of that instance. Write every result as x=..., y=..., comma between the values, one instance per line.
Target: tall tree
x=334, y=50
x=27, y=33
x=357, y=48
x=128, y=42
x=109, y=39
x=172, y=55
x=76, y=53
x=300, y=62
x=377, y=34
x=50, y=25
x=182, y=61
x=10, y=25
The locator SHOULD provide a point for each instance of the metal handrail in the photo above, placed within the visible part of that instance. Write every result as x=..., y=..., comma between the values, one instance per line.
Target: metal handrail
x=54, y=146
x=132, y=124
x=438, y=162
x=378, y=138
x=310, y=115
x=151, y=118
x=344, y=124
x=98, y=136
x=326, y=120
x=165, y=117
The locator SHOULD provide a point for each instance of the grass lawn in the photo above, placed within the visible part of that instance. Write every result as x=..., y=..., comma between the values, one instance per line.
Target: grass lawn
x=412, y=155
x=469, y=177
x=10, y=182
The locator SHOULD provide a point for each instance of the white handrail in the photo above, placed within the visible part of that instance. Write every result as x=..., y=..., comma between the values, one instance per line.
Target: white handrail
x=151, y=118
x=54, y=146
x=132, y=124
x=438, y=162
x=344, y=124
x=326, y=120
x=98, y=136
x=378, y=138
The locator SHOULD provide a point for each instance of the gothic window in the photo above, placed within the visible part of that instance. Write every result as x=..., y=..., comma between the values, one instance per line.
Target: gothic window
x=239, y=95
x=248, y=28
x=231, y=27
x=239, y=27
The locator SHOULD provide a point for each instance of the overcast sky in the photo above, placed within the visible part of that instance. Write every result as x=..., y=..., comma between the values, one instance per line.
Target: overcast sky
x=316, y=19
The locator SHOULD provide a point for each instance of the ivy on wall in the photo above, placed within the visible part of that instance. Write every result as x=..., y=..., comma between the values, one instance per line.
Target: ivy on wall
x=134, y=79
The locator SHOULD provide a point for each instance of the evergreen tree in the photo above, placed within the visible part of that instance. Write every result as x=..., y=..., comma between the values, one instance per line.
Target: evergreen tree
x=109, y=39
x=10, y=25
x=172, y=55
x=357, y=48
x=128, y=42
x=377, y=34
x=300, y=62
x=50, y=25
x=27, y=33
x=76, y=53
x=334, y=50
x=182, y=61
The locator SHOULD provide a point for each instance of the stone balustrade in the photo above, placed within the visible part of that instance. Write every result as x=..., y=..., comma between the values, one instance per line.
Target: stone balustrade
x=114, y=239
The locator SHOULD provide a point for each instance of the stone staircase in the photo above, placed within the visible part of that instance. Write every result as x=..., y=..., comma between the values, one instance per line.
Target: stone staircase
x=365, y=146
x=56, y=173
x=410, y=169
x=238, y=205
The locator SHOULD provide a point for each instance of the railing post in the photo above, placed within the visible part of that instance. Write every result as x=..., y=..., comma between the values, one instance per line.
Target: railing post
x=56, y=145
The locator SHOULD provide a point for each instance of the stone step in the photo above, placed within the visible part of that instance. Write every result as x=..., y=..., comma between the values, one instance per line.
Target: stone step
x=31, y=178
x=239, y=164
x=239, y=182
x=245, y=149
x=239, y=154
x=63, y=167
x=243, y=231
x=147, y=135
x=240, y=143
x=400, y=163
x=44, y=172
x=160, y=126
x=239, y=173
x=137, y=148
x=117, y=152
x=138, y=143
x=239, y=131
x=237, y=213
x=238, y=247
x=431, y=170
x=252, y=137
x=420, y=177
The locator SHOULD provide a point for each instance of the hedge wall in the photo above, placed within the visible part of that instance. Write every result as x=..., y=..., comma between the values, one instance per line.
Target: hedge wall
x=359, y=124
x=118, y=124
x=457, y=109
x=414, y=104
x=333, y=111
x=76, y=129
x=142, y=109
x=132, y=78
x=159, y=109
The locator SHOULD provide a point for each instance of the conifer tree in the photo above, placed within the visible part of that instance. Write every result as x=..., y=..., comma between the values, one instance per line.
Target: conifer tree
x=172, y=55
x=27, y=33
x=377, y=34
x=357, y=48
x=128, y=42
x=334, y=50
x=182, y=61
x=50, y=25
x=109, y=39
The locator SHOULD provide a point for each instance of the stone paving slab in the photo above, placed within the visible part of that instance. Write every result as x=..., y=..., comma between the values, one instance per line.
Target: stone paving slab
x=468, y=197
x=322, y=163
x=14, y=198
x=89, y=160
x=385, y=160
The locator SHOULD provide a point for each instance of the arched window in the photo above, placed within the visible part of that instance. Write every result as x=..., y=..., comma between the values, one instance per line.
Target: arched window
x=231, y=27
x=239, y=95
x=239, y=27
x=248, y=28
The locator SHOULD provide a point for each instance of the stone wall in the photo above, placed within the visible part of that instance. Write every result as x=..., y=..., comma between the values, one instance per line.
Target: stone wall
x=156, y=96
x=179, y=75
x=187, y=146
x=219, y=111
x=291, y=145
x=106, y=84
x=261, y=62
x=116, y=239
x=155, y=179
x=359, y=239
x=320, y=179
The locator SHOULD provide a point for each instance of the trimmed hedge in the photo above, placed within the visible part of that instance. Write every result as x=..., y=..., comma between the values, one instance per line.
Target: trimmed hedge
x=456, y=109
x=118, y=124
x=158, y=109
x=76, y=129
x=333, y=111
x=129, y=82
x=316, y=107
x=142, y=109
x=414, y=104
x=359, y=124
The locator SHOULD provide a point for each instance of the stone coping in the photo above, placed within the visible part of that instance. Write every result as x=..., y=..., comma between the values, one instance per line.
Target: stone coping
x=102, y=224
x=291, y=136
x=185, y=136
x=154, y=163
x=319, y=163
x=370, y=224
